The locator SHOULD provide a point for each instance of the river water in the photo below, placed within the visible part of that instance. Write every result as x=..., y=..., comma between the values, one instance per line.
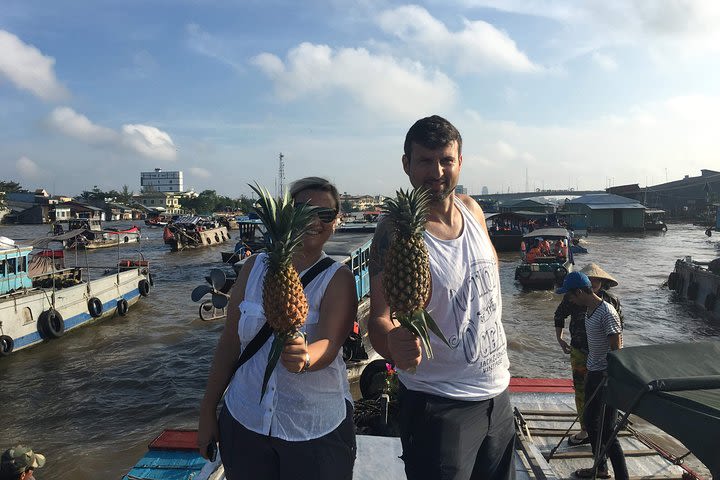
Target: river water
x=92, y=400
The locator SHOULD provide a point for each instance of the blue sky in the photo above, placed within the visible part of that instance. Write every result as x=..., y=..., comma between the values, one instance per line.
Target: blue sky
x=546, y=93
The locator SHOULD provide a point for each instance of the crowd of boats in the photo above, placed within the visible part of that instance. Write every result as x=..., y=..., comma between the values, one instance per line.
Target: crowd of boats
x=41, y=298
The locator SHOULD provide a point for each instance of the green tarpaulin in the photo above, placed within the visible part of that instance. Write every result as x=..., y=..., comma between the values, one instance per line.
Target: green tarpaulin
x=685, y=400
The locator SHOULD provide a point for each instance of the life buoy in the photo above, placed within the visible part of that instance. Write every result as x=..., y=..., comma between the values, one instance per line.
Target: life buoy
x=144, y=287
x=692, y=290
x=710, y=300
x=560, y=273
x=122, y=307
x=672, y=281
x=6, y=345
x=51, y=324
x=95, y=307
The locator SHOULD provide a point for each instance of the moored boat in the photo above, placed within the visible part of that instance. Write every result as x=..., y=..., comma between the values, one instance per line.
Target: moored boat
x=41, y=299
x=547, y=271
x=698, y=282
x=193, y=232
x=507, y=229
x=95, y=236
x=654, y=220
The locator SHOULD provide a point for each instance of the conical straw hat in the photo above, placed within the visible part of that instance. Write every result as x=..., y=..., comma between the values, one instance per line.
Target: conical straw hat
x=593, y=270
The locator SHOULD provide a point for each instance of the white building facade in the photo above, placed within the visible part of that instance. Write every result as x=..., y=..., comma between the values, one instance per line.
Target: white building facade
x=159, y=181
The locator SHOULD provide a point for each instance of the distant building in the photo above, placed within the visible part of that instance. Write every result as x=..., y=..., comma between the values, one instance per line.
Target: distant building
x=532, y=205
x=606, y=212
x=159, y=181
x=485, y=190
x=460, y=189
x=160, y=201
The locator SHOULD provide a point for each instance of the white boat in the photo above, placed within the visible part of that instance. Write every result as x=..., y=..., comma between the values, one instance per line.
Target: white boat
x=40, y=299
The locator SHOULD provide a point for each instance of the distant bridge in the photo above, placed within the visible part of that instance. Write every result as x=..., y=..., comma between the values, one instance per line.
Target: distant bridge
x=544, y=193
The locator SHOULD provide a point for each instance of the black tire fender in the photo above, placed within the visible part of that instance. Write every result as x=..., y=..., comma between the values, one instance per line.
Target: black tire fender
x=692, y=290
x=368, y=384
x=524, y=273
x=672, y=281
x=51, y=324
x=560, y=273
x=710, y=301
x=122, y=307
x=6, y=345
x=144, y=287
x=95, y=307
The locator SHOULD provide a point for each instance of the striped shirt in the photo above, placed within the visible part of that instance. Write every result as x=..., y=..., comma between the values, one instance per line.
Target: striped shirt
x=599, y=324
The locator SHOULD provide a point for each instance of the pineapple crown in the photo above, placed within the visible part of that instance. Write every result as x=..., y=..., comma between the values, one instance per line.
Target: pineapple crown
x=285, y=224
x=408, y=210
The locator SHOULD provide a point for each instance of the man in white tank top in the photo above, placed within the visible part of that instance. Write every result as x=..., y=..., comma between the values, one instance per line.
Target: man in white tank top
x=455, y=417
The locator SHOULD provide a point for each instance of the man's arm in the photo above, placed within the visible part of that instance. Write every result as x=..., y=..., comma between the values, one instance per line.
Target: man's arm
x=394, y=343
x=615, y=341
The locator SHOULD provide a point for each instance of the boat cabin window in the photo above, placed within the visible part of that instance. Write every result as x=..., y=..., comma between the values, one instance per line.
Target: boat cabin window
x=3, y=268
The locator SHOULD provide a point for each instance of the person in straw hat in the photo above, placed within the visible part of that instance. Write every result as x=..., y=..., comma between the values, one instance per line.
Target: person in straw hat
x=578, y=347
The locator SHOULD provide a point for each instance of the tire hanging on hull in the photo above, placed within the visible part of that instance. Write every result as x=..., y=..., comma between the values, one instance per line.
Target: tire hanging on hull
x=51, y=324
x=122, y=307
x=95, y=307
x=7, y=344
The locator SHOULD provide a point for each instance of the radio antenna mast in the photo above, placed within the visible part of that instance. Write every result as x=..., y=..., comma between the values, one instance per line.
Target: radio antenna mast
x=281, y=176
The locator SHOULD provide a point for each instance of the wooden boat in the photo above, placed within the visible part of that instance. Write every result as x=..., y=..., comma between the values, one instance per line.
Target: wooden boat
x=95, y=236
x=544, y=412
x=252, y=239
x=193, y=232
x=545, y=272
x=698, y=282
x=41, y=299
x=654, y=220
x=507, y=229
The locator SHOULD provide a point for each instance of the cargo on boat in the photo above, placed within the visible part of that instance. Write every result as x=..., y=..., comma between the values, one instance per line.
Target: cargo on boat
x=547, y=270
x=92, y=235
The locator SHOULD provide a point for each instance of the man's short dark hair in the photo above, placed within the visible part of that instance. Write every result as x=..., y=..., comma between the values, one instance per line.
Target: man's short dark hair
x=432, y=132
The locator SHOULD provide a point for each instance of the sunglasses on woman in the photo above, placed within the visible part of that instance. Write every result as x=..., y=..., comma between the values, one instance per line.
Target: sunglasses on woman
x=326, y=215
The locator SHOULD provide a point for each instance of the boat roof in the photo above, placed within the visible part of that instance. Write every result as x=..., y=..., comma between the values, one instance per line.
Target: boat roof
x=341, y=245
x=679, y=386
x=552, y=232
x=43, y=242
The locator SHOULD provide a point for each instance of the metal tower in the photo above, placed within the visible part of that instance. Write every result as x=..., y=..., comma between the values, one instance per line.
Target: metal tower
x=281, y=176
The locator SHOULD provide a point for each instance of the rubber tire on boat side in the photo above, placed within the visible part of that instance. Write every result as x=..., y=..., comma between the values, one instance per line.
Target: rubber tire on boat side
x=144, y=287
x=6, y=345
x=51, y=324
x=672, y=281
x=368, y=375
x=710, y=300
x=122, y=307
x=692, y=291
x=95, y=307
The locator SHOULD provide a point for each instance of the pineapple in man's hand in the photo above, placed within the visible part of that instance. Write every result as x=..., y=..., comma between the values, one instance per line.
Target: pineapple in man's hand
x=406, y=277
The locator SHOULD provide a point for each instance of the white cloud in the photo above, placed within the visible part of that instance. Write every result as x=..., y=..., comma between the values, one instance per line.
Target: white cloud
x=211, y=46
x=604, y=61
x=478, y=48
x=68, y=122
x=690, y=25
x=27, y=168
x=380, y=83
x=146, y=140
x=149, y=141
x=200, y=172
x=28, y=69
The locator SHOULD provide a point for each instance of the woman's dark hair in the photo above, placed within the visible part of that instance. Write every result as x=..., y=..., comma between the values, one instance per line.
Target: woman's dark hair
x=432, y=132
x=317, y=184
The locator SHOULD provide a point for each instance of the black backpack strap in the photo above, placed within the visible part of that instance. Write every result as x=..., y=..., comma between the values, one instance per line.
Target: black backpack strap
x=262, y=336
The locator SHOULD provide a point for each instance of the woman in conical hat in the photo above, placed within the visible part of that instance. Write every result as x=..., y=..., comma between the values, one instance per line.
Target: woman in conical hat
x=578, y=349
x=593, y=270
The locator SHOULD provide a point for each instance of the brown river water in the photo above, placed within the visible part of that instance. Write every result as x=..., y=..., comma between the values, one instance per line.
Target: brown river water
x=92, y=400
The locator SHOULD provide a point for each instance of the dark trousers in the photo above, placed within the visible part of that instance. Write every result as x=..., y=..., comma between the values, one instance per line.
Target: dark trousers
x=250, y=455
x=594, y=420
x=445, y=439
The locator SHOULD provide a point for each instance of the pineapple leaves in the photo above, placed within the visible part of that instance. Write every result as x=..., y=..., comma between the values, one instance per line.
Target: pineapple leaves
x=430, y=323
x=275, y=350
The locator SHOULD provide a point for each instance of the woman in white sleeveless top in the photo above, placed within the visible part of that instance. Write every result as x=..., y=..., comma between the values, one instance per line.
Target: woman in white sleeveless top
x=302, y=427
